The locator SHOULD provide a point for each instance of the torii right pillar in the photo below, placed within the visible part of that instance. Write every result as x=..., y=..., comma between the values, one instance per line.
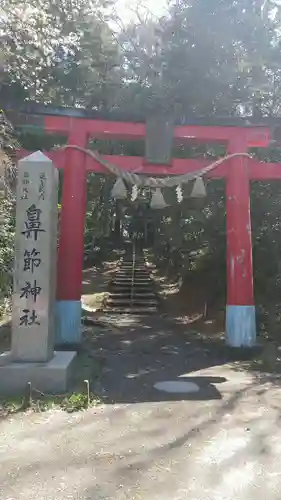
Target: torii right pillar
x=240, y=309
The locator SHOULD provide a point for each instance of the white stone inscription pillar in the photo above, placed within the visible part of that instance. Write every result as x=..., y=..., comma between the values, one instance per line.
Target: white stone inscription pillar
x=35, y=260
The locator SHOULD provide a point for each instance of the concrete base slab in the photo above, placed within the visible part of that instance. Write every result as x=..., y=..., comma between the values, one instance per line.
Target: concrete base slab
x=51, y=377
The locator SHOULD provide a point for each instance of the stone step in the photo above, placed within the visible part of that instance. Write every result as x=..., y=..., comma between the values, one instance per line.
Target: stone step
x=132, y=279
x=127, y=292
x=136, y=295
x=128, y=286
x=137, y=266
x=130, y=264
x=130, y=272
x=129, y=259
x=130, y=310
x=128, y=302
x=131, y=275
x=137, y=286
x=125, y=278
x=127, y=299
x=129, y=281
x=136, y=269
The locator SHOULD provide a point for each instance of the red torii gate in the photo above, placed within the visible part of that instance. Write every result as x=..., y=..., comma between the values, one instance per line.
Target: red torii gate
x=238, y=172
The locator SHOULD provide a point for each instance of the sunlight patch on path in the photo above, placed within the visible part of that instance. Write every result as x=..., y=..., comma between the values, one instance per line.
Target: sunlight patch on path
x=177, y=387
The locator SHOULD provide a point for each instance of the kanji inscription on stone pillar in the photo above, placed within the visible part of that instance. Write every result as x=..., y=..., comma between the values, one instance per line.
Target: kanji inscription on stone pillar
x=35, y=260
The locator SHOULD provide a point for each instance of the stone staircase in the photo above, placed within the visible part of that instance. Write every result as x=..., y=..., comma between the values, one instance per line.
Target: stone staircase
x=132, y=289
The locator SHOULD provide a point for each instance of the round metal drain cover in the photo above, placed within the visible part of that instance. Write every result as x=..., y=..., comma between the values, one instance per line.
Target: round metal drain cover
x=177, y=386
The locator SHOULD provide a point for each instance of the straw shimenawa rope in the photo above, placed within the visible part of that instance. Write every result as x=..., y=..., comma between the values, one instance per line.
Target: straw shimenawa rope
x=152, y=182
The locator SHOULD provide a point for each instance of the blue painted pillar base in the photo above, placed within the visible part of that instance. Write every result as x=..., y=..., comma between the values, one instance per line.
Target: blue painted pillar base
x=68, y=322
x=241, y=326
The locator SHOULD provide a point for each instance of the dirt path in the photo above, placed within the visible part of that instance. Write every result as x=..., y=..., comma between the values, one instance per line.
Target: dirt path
x=95, y=284
x=220, y=443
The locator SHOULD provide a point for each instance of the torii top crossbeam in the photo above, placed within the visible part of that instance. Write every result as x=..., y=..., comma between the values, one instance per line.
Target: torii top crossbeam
x=200, y=130
x=116, y=124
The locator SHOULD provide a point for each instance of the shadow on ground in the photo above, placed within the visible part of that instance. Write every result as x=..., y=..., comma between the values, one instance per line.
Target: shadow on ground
x=139, y=352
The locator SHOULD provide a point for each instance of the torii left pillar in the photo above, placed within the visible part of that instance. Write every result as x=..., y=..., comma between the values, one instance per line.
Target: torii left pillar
x=71, y=243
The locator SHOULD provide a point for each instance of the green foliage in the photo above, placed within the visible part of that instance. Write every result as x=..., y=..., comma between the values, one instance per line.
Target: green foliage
x=49, y=48
x=7, y=218
x=71, y=403
x=206, y=57
x=75, y=402
x=7, y=234
x=99, y=212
